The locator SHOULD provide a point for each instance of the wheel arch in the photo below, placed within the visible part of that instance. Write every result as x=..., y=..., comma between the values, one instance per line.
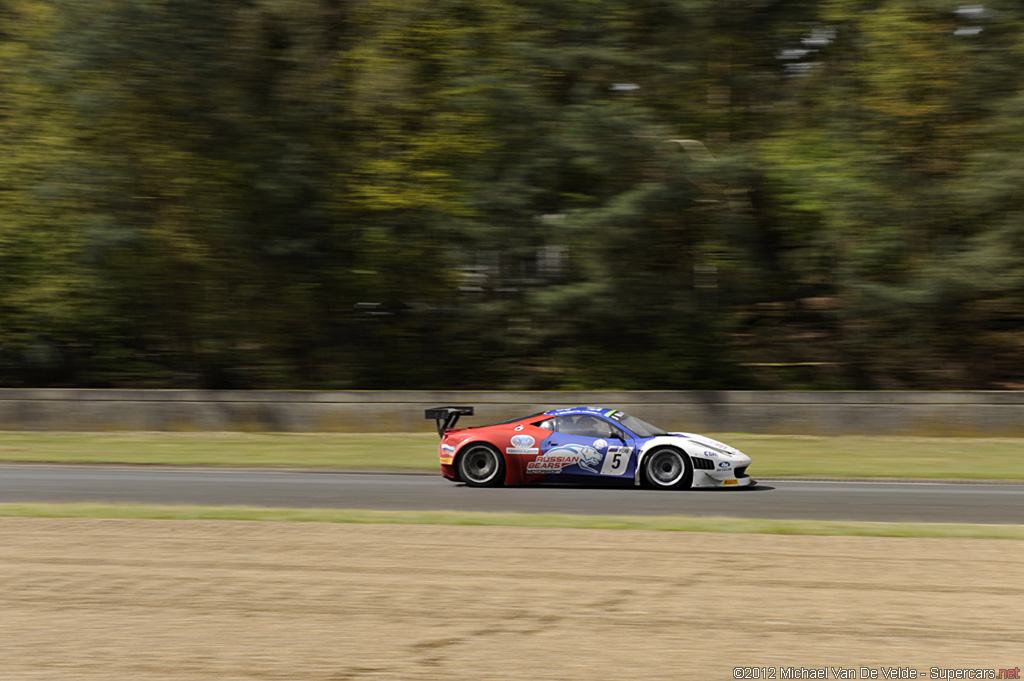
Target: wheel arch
x=644, y=450
x=640, y=480
x=460, y=449
x=467, y=445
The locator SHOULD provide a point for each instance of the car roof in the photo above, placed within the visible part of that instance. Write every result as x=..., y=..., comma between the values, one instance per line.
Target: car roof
x=570, y=411
x=594, y=411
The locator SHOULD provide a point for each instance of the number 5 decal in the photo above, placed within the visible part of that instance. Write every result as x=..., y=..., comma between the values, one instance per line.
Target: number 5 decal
x=616, y=460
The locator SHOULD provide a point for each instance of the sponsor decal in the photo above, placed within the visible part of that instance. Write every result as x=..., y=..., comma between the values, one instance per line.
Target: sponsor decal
x=711, y=454
x=590, y=458
x=730, y=482
x=522, y=444
x=447, y=454
x=724, y=465
x=554, y=461
x=600, y=445
x=613, y=462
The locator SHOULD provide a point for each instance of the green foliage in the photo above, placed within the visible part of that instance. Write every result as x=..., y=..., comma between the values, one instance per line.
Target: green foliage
x=612, y=193
x=877, y=170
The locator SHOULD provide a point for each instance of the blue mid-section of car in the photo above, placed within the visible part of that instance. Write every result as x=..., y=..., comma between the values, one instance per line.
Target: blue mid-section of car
x=563, y=454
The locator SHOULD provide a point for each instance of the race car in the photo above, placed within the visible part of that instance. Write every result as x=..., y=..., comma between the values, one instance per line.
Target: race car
x=583, y=444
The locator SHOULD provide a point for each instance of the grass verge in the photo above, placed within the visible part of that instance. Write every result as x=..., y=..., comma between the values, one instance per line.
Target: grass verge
x=415, y=451
x=537, y=520
x=773, y=455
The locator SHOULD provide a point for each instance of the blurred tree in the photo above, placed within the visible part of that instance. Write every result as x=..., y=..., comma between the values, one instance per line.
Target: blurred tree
x=651, y=154
x=612, y=193
x=529, y=142
x=197, y=186
x=41, y=284
x=870, y=170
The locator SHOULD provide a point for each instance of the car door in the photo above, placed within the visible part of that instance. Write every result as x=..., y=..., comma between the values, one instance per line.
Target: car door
x=587, y=445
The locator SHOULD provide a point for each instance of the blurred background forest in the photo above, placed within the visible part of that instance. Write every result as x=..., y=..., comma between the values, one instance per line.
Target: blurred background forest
x=521, y=194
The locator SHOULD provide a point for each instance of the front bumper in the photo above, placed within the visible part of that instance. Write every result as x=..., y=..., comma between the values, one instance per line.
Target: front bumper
x=726, y=479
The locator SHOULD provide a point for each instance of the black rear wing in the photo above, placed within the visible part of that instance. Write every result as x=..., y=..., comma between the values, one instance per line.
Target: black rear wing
x=447, y=417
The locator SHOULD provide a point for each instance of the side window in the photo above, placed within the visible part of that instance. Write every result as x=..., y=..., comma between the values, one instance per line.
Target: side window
x=549, y=424
x=583, y=425
x=603, y=428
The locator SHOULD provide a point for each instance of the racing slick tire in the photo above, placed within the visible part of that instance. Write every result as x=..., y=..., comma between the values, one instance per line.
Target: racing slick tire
x=668, y=468
x=481, y=465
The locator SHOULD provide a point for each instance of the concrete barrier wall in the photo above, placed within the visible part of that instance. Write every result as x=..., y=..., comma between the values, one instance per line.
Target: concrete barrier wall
x=971, y=414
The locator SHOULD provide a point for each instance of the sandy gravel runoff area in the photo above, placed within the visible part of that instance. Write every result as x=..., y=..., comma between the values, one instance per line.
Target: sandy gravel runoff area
x=141, y=600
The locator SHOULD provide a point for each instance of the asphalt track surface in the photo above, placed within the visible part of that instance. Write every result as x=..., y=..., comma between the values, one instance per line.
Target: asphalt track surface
x=821, y=500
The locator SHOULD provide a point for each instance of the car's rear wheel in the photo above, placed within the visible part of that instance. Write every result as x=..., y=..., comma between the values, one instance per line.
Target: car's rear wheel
x=668, y=468
x=481, y=465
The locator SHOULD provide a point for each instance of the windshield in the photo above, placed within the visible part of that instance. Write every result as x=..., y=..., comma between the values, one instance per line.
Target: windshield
x=638, y=427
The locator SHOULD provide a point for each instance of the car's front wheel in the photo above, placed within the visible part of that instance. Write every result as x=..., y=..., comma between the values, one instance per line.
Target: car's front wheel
x=668, y=468
x=481, y=465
